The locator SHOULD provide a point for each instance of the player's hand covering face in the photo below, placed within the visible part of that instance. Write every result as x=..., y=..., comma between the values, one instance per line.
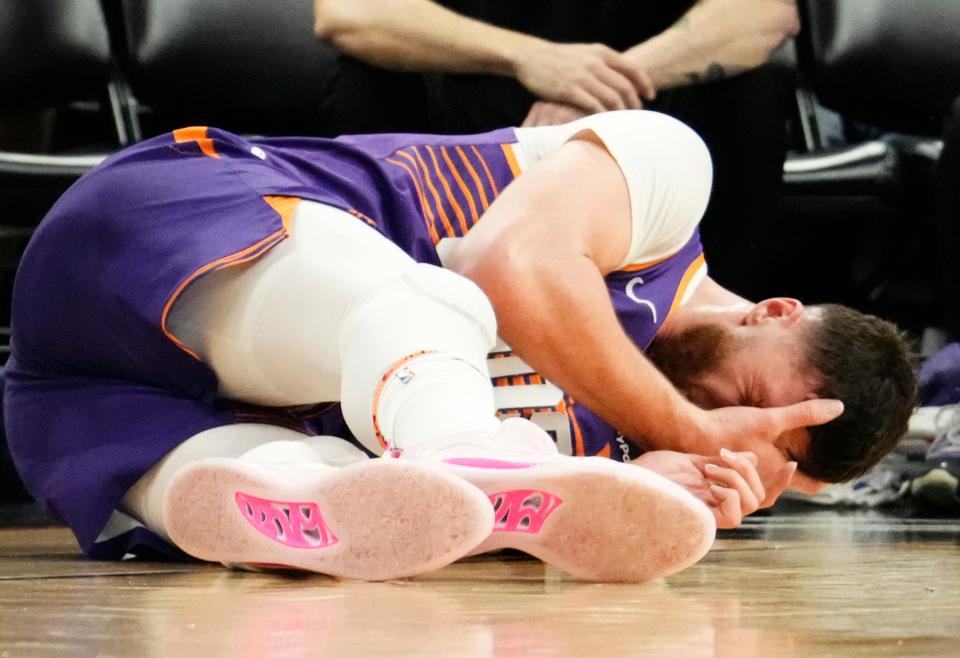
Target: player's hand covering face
x=728, y=484
x=776, y=434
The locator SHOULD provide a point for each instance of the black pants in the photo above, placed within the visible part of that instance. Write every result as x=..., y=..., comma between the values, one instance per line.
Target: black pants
x=948, y=220
x=742, y=120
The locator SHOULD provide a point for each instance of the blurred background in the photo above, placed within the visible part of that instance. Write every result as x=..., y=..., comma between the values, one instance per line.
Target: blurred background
x=861, y=106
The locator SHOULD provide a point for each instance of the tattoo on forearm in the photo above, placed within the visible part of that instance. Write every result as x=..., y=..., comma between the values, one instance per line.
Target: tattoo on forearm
x=713, y=73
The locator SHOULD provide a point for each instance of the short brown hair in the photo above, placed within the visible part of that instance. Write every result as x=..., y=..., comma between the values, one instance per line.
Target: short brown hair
x=869, y=364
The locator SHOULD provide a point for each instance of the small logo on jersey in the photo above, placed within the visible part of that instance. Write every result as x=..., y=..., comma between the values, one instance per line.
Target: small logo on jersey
x=633, y=283
x=405, y=375
x=624, y=448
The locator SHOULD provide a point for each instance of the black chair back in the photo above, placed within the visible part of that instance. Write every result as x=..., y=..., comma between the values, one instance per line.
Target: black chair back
x=245, y=65
x=891, y=63
x=51, y=51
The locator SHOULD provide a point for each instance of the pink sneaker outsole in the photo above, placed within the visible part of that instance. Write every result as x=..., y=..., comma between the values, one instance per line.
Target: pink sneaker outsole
x=596, y=519
x=375, y=520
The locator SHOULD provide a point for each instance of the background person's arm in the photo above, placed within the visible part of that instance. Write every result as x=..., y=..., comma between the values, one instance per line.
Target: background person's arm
x=716, y=39
x=419, y=35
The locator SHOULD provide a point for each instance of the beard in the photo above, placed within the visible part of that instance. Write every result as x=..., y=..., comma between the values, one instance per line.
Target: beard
x=684, y=356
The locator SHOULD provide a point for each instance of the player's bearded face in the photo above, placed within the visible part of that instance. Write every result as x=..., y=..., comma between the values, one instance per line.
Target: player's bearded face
x=688, y=355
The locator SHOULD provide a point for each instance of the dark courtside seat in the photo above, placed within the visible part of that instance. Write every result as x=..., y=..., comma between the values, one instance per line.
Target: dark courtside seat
x=889, y=63
x=244, y=65
x=894, y=67
x=52, y=53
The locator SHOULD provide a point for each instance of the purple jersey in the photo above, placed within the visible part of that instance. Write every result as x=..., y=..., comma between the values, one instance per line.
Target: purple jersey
x=98, y=390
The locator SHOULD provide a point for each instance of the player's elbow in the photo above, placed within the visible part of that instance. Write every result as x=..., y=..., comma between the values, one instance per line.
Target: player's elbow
x=497, y=268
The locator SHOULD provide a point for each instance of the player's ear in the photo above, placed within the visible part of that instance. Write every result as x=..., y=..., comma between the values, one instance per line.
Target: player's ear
x=785, y=311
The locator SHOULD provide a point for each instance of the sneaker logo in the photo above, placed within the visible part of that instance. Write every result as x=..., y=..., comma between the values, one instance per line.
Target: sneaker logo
x=299, y=525
x=523, y=510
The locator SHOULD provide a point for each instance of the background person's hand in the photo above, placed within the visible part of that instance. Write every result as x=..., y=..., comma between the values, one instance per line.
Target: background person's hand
x=591, y=77
x=728, y=484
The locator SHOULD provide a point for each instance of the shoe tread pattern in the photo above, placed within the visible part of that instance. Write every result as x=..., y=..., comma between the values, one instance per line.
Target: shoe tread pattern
x=393, y=519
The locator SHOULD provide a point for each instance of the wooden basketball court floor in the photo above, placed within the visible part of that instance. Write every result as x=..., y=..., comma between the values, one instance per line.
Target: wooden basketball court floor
x=796, y=583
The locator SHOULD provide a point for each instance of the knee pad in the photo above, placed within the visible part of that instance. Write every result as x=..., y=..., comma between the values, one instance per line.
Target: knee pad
x=428, y=315
x=457, y=293
x=427, y=309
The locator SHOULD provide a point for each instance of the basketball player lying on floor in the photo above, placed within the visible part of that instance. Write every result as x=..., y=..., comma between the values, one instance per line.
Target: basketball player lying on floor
x=187, y=312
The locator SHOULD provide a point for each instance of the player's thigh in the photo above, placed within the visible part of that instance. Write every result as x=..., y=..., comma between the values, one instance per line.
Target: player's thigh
x=271, y=329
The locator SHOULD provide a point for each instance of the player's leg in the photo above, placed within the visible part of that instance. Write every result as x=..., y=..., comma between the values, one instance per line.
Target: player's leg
x=264, y=495
x=273, y=333
x=327, y=315
x=248, y=442
x=409, y=343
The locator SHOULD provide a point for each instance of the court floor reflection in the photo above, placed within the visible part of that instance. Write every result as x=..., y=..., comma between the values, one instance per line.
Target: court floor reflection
x=825, y=591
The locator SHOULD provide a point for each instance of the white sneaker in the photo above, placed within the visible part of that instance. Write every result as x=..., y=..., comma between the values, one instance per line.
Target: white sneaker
x=595, y=518
x=372, y=520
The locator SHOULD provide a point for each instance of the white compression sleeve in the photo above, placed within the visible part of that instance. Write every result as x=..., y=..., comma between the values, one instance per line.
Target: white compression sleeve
x=331, y=311
x=420, y=347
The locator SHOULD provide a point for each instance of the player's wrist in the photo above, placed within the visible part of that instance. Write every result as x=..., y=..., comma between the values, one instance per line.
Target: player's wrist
x=690, y=431
x=676, y=425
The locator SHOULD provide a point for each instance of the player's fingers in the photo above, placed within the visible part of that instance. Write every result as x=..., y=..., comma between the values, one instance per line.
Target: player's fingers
x=807, y=414
x=748, y=455
x=727, y=509
x=745, y=463
x=731, y=479
x=780, y=483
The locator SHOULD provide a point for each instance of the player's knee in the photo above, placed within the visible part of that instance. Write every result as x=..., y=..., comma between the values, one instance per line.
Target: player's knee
x=426, y=309
x=456, y=293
